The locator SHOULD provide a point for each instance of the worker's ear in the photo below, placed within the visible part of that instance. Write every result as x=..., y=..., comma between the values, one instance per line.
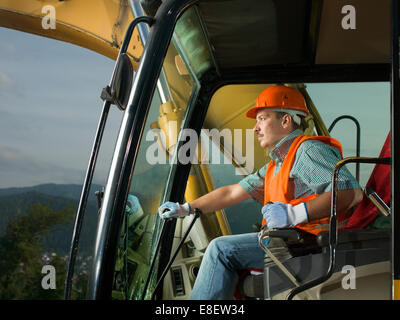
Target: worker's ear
x=287, y=121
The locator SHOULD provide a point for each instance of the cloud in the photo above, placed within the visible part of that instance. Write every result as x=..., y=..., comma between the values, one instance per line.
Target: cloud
x=6, y=83
x=8, y=50
x=20, y=169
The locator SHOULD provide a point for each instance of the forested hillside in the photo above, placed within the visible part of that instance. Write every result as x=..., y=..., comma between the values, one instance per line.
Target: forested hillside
x=16, y=201
x=36, y=225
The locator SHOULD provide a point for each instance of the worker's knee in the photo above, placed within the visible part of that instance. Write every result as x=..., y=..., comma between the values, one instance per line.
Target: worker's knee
x=217, y=245
x=222, y=247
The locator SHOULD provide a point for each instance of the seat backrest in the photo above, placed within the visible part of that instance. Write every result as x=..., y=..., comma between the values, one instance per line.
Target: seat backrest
x=379, y=181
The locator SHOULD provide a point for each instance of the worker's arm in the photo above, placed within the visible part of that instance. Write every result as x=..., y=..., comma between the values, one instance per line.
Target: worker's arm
x=220, y=198
x=215, y=200
x=320, y=207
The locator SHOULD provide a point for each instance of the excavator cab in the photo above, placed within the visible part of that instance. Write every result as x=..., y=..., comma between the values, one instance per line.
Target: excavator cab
x=203, y=64
x=185, y=73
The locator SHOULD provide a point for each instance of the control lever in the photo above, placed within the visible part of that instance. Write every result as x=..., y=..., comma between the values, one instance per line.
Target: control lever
x=197, y=214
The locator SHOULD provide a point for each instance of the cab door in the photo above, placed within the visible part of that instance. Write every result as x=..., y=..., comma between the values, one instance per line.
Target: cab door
x=144, y=167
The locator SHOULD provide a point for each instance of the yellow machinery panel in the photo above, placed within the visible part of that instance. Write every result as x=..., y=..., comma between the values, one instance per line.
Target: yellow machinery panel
x=98, y=25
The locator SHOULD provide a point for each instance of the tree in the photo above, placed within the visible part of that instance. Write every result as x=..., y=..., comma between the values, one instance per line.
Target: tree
x=21, y=253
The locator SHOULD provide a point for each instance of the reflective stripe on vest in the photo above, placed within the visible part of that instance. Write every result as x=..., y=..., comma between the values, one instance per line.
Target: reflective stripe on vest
x=281, y=188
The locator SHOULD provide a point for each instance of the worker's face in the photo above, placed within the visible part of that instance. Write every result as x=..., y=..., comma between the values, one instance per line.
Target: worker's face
x=269, y=128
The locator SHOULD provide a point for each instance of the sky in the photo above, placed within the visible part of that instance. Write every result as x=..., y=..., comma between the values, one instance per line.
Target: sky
x=49, y=109
x=50, y=106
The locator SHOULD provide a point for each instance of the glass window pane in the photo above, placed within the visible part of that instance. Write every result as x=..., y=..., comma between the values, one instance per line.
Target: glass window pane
x=368, y=103
x=140, y=230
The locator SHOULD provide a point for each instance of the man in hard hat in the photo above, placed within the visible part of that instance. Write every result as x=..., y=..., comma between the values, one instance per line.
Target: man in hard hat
x=295, y=186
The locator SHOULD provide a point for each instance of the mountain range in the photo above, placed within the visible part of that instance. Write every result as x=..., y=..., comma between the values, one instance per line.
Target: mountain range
x=16, y=201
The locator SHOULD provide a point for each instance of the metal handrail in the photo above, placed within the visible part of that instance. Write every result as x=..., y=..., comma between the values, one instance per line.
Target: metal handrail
x=358, y=137
x=333, y=223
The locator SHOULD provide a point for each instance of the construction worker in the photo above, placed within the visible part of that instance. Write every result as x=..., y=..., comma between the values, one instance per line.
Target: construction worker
x=295, y=186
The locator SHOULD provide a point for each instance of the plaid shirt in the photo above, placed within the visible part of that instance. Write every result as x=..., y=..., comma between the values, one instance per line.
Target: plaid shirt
x=311, y=171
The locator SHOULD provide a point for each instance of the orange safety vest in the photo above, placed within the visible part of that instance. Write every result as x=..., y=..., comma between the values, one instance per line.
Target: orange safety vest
x=281, y=188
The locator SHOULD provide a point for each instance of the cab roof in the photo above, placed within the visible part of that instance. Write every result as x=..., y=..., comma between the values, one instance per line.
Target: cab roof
x=323, y=40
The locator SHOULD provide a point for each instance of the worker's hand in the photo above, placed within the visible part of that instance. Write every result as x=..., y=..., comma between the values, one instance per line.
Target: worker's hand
x=282, y=215
x=173, y=210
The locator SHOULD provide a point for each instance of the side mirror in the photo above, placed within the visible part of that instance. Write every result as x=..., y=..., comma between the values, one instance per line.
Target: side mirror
x=119, y=90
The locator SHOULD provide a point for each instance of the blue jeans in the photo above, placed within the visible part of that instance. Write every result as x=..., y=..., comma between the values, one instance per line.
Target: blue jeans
x=224, y=257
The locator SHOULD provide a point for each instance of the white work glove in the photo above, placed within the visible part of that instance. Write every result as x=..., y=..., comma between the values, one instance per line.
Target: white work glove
x=282, y=215
x=173, y=210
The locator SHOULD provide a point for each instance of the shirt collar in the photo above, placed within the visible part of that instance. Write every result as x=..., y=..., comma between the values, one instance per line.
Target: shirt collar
x=282, y=147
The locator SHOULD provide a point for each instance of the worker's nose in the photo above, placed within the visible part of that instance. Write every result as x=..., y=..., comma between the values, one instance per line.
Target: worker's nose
x=256, y=128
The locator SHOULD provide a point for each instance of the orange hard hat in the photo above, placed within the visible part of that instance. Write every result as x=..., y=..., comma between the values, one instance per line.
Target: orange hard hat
x=280, y=98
